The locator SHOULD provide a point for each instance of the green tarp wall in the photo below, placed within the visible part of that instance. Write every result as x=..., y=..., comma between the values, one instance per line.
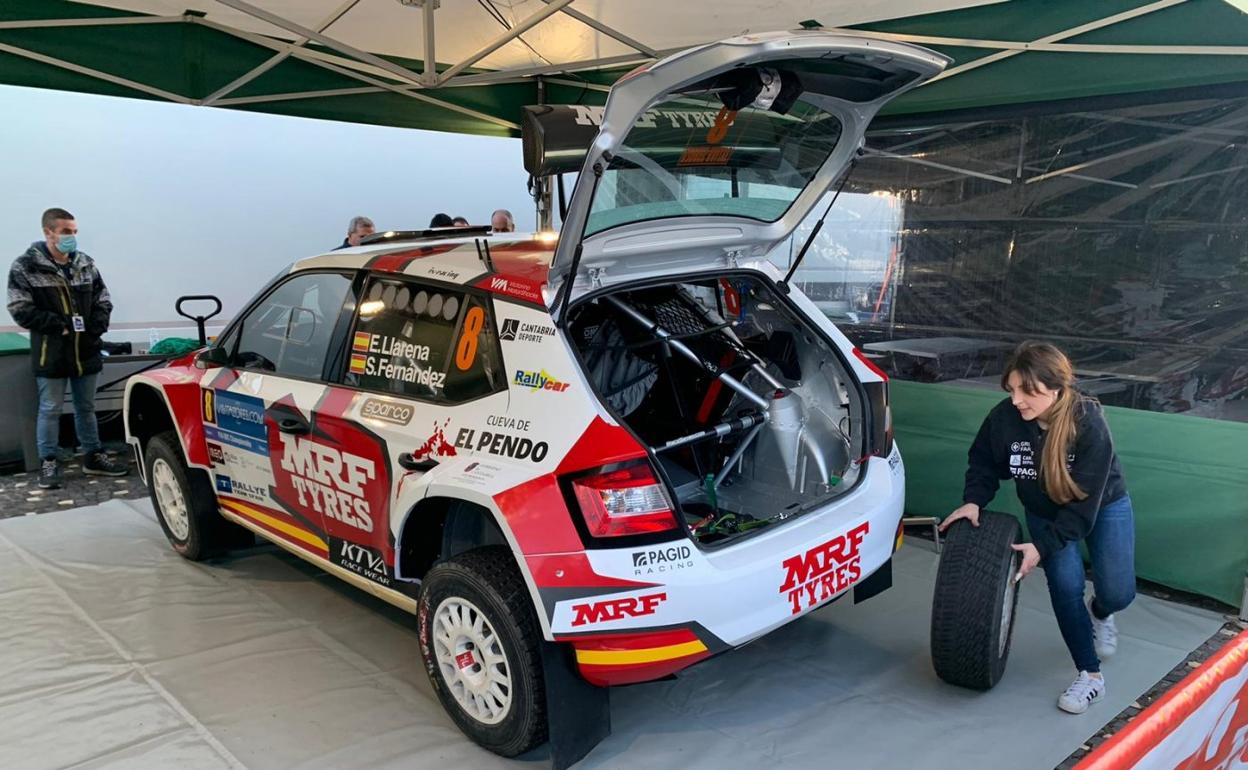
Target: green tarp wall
x=1187, y=476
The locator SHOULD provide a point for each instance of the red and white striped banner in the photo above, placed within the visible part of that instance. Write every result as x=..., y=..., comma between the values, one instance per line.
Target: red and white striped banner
x=1202, y=724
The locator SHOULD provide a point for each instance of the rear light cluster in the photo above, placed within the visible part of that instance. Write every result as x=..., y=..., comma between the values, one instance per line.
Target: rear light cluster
x=881, y=412
x=628, y=501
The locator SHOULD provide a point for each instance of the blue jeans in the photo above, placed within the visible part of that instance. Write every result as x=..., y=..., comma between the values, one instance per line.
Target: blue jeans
x=1111, y=548
x=52, y=399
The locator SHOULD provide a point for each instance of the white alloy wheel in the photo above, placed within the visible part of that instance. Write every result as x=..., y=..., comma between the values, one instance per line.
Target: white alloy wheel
x=172, y=501
x=471, y=658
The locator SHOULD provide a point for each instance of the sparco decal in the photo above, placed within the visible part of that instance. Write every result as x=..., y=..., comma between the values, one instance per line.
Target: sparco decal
x=824, y=571
x=615, y=609
x=330, y=481
x=540, y=380
x=362, y=560
x=658, y=560
x=502, y=444
x=387, y=411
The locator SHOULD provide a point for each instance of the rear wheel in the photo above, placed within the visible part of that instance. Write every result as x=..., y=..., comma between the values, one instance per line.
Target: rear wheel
x=974, y=605
x=185, y=503
x=480, y=642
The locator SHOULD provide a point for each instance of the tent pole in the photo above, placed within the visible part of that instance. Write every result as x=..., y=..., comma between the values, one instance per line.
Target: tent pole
x=277, y=58
x=430, y=75
x=402, y=73
x=543, y=190
x=498, y=42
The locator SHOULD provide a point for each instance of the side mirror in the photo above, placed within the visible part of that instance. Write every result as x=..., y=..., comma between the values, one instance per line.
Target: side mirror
x=211, y=358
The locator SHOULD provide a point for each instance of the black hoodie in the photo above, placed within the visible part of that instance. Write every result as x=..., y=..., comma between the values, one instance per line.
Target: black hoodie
x=1007, y=446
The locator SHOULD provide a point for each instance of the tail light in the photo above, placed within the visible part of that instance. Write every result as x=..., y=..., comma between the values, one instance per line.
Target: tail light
x=628, y=501
x=881, y=412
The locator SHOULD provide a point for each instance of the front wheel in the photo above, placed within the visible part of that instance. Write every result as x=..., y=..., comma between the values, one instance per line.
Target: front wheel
x=481, y=645
x=974, y=605
x=185, y=503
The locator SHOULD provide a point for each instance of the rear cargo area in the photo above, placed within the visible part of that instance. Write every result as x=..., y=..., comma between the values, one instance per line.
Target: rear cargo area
x=753, y=416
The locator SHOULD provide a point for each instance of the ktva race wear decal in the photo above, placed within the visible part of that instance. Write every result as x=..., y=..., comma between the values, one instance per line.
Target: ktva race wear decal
x=378, y=355
x=824, y=571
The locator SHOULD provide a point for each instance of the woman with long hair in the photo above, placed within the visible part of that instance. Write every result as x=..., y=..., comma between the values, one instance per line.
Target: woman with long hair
x=1054, y=443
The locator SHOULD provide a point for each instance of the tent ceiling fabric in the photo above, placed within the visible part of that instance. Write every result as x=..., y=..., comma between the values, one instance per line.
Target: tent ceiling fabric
x=365, y=60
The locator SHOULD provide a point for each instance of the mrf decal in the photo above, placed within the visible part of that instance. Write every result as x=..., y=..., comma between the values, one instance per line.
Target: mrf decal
x=591, y=613
x=336, y=472
x=824, y=571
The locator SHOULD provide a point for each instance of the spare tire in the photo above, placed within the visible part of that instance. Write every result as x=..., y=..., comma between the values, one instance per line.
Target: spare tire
x=973, y=608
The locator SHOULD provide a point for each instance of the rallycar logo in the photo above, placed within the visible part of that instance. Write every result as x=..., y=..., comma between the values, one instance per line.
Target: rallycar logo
x=540, y=380
x=824, y=571
x=329, y=480
x=616, y=609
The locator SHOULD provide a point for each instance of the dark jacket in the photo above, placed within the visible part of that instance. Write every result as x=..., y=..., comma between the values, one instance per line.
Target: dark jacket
x=44, y=302
x=1007, y=446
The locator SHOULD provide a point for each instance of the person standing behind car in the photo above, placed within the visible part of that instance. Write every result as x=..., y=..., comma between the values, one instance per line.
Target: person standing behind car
x=357, y=229
x=56, y=292
x=501, y=221
x=1054, y=442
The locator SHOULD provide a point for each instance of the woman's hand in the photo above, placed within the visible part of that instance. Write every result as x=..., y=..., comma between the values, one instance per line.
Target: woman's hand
x=969, y=511
x=1031, y=557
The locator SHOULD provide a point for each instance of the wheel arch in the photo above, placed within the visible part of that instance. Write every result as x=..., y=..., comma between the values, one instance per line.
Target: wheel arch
x=455, y=524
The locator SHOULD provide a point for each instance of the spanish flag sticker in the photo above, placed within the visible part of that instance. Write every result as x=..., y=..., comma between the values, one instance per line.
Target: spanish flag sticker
x=357, y=363
x=361, y=341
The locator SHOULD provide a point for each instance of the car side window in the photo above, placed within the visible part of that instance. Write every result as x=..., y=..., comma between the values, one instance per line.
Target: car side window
x=290, y=331
x=425, y=342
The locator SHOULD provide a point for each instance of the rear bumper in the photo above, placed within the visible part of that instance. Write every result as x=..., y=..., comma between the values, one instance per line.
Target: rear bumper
x=685, y=604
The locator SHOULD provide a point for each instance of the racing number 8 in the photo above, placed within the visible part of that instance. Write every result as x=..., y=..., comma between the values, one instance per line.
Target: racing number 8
x=466, y=352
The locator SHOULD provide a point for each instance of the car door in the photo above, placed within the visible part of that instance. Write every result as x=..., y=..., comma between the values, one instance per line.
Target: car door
x=419, y=355
x=267, y=464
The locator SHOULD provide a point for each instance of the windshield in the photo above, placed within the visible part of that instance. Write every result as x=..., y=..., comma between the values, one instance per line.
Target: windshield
x=690, y=155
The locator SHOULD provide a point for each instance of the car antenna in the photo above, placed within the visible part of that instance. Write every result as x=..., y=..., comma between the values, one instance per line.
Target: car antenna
x=784, y=283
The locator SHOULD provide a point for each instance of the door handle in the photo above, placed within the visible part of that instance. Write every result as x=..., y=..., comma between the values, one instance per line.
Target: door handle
x=295, y=425
x=412, y=464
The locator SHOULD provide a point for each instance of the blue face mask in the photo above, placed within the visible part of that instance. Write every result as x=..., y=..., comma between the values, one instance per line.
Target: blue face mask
x=66, y=244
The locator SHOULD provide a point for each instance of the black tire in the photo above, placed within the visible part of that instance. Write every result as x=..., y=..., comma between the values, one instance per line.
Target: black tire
x=207, y=533
x=488, y=579
x=971, y=625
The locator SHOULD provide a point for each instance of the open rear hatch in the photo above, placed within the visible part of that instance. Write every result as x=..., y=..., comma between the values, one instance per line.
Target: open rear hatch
x=700, y=162
x=714, y=154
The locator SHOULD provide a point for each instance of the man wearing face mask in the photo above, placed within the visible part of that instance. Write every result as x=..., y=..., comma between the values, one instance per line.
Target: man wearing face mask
x=56, y=293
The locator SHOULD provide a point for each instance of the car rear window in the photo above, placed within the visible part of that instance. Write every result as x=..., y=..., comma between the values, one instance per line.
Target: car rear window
x=425, y=342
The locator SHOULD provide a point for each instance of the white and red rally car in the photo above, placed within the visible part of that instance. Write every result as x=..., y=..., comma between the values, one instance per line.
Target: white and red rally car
x=635, y=444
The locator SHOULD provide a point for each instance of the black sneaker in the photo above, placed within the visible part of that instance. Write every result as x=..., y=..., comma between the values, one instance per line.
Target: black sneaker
x=50, y=474
x=101, y=463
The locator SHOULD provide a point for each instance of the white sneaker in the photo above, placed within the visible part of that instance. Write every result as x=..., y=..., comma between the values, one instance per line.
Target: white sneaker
x=1083, y=692
x=1104, y=634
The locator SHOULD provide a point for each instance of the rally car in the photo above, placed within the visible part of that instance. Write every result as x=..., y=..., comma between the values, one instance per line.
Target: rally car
x=634, y=442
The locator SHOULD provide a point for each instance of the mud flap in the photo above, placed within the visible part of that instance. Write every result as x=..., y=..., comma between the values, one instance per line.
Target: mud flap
x=577, y=712
x=876, y=583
